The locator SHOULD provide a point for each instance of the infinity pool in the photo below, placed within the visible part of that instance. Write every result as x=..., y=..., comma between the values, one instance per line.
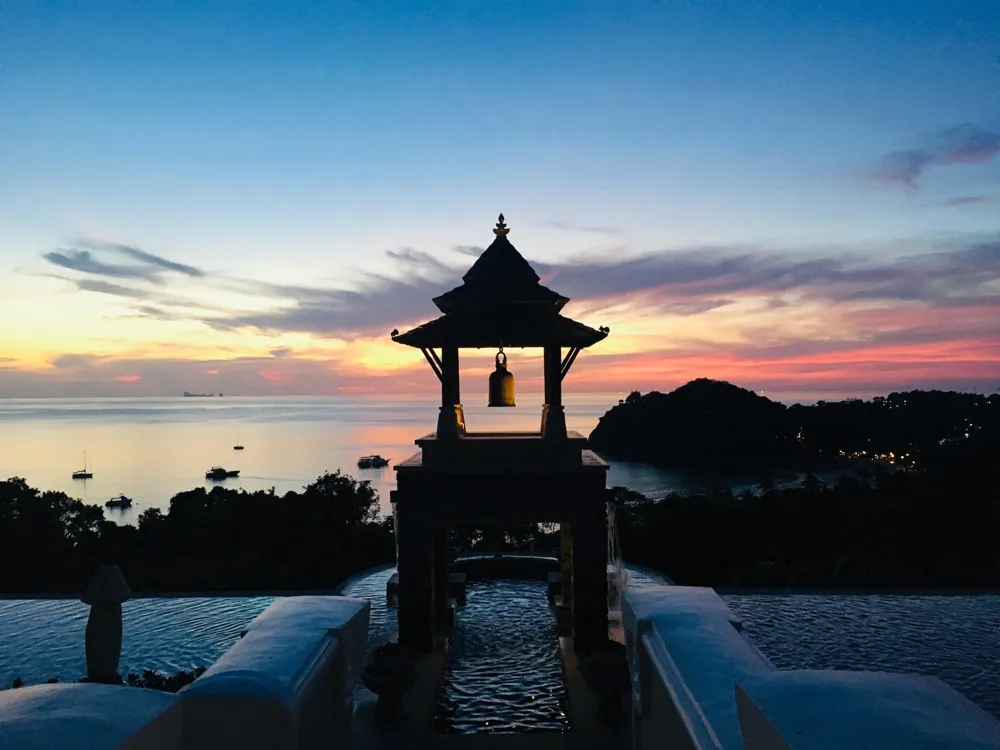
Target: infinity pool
x=956, y=638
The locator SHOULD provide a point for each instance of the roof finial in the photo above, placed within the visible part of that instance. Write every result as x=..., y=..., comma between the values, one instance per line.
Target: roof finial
x=501, y=228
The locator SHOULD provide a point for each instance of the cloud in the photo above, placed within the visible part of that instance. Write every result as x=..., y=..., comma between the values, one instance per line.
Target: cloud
x=671, y=283
x=75, y=361
x=961, y=144
x=84, y=262
x=106, y=287
x=711, y=274
x=145, y=266
x=895, y=360
x=154, y=260
x=135, y=375
x=607, y=230
x=969, y=200
x=968, y=144
x=810, y=319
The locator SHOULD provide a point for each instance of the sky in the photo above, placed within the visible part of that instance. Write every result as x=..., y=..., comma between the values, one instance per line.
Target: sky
x=802, y=198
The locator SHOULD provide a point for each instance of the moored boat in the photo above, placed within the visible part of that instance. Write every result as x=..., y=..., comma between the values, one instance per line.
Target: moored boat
x=83, y=473
x=372, y=462
x=119, y=502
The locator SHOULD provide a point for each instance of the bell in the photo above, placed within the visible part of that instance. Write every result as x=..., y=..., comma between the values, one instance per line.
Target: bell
x=501, y=383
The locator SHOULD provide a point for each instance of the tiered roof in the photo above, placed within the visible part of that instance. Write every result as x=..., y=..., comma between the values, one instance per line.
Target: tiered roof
x=501, y=303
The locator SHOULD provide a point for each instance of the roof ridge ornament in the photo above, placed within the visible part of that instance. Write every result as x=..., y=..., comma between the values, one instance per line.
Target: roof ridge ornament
x=501, y=229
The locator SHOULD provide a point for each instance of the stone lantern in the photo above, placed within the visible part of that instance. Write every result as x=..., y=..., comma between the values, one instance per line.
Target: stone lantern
x=105, y=594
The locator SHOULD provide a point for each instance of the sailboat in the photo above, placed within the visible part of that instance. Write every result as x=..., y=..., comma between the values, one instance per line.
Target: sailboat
x=83, y=473
x=239, y=445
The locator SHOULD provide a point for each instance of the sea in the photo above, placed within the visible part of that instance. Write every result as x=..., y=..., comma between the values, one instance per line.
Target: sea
x=150, y=449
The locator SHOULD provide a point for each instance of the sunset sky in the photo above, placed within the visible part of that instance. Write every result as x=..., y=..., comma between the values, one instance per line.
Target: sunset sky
x=248, y=197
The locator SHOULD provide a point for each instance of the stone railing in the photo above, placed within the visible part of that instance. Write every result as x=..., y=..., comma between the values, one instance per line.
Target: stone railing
x=699, y=684
x=287, y=683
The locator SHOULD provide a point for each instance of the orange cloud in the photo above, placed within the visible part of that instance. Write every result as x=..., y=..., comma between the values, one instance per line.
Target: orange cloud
x=128, y=379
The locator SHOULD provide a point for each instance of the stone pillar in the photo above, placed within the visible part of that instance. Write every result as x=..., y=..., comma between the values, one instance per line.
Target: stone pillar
x=416, y=580
x=566, y=561
x=442, y=611
x=451, y=419
x=105, y=595
x=590, y=578
x=553, y=415
x=564, y=605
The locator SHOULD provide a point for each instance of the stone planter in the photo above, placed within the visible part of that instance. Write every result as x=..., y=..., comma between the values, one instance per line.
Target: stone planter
x=606, y=672
x=389, y=674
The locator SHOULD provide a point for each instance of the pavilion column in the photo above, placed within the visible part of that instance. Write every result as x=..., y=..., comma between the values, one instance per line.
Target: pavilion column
x=553, y=415
x=451, y=420
x=441, y=609
x=415, y=566
x=590, y=577
x=564, y=613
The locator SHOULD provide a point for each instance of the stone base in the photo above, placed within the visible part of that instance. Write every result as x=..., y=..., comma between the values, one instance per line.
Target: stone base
x=456, y=587
x=555, y=586
x=564, y=619
x=392, y=590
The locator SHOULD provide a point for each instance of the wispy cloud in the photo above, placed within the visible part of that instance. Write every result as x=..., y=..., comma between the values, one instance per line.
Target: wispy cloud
x=962, y=144
x=152, y=260
x=681, y=283
x=566, y=226
x=969, y=200
x=84, y=261
x=99, y=286
x=83, y=258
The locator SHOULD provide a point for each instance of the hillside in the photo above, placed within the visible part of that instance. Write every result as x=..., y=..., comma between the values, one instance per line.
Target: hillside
x=709, y=424
x=705, y=423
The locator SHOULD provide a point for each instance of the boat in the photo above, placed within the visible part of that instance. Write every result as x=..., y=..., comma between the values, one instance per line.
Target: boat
x=83, y=473
x=217, y=473
x=372, y=462
x=239, y=445
x=119, y=502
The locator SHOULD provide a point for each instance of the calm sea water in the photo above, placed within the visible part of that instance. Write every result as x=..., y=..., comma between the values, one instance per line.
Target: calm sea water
x=151, y=449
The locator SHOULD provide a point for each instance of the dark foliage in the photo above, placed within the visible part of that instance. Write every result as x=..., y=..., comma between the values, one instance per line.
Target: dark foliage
x=934, y=527
x=219, y=540
x=168, y=683
x=709, y=424
x=702, y=424
x=147, y=679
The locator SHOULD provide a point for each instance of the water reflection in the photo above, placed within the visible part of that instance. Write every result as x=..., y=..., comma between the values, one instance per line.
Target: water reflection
x=504, y=670
x=151, y=449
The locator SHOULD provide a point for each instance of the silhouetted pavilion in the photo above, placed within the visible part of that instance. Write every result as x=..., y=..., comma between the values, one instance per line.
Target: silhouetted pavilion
x=462, y=477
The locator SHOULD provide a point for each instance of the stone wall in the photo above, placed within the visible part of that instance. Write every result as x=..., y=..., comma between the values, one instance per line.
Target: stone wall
x=698, y=683
x=287, y=683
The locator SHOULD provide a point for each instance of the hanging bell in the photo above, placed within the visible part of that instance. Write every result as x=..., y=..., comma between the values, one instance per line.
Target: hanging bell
x=501, y=383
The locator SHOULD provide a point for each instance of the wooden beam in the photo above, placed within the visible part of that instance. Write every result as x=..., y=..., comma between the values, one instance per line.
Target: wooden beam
x=437, y=359
x=568, y=362
x=433, y=361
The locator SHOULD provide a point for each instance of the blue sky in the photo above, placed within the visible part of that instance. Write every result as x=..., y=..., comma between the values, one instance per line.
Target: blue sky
x=298, y=142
